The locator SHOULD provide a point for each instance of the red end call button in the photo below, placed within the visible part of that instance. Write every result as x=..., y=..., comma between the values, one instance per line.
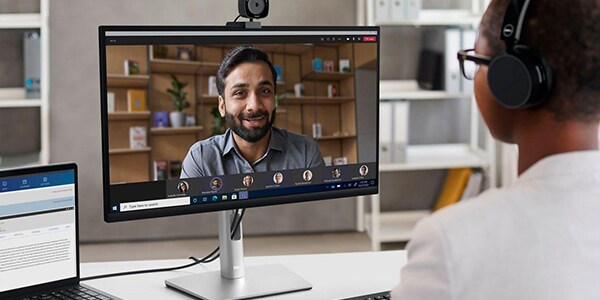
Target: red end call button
x=370, y=38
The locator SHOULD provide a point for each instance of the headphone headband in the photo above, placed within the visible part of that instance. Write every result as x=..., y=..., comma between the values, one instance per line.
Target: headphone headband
x=513, y=22
x=519, y=77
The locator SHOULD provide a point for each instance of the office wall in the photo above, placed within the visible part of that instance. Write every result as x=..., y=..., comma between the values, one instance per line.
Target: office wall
x=75, y=109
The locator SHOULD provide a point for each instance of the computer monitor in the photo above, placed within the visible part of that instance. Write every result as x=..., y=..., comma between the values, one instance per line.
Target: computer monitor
x=200, y=119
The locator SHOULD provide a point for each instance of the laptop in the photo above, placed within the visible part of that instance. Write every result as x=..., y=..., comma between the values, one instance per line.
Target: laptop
x=39, y=253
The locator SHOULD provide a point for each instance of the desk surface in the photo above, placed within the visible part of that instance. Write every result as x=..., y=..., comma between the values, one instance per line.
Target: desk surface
x=333, y=276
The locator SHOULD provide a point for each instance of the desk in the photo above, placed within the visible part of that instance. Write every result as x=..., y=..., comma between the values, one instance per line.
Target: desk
x=333, y=276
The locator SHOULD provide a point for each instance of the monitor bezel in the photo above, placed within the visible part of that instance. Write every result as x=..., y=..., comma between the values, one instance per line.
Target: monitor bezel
x=28, y=171
x=110, y=217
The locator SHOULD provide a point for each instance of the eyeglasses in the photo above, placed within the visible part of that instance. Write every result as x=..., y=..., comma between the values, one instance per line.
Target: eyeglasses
x=469, y=61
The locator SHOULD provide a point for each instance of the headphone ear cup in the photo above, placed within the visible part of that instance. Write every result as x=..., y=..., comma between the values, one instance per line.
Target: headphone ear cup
x=519, y=79
x=510, y=81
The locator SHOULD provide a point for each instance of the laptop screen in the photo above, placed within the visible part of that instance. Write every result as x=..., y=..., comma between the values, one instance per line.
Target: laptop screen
x=38, y=237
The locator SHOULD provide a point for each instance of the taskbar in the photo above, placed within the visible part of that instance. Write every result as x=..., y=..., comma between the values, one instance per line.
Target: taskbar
x=241, y=195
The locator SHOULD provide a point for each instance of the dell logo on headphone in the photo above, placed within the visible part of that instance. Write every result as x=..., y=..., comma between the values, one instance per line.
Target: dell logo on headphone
x=508, y=30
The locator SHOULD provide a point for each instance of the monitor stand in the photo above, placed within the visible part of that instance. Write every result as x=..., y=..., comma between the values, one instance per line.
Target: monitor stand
x=234, y=281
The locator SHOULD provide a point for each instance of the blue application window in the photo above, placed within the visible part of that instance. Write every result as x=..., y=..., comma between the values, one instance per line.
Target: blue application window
x=37, y=230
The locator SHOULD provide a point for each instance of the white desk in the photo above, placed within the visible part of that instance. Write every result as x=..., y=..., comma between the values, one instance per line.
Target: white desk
x=333, y=276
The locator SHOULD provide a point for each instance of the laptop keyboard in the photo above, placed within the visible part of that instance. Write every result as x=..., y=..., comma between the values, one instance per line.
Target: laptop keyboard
x=376, y=296
x=73, y=293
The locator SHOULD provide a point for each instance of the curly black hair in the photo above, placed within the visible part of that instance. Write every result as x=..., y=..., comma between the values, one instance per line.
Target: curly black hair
x=237, y=56
x=567, y=34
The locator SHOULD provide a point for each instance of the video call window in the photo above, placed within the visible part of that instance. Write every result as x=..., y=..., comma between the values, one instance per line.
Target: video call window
x=149, y=139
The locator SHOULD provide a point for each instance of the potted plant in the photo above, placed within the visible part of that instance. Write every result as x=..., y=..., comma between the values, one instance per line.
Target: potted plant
x=178, y=95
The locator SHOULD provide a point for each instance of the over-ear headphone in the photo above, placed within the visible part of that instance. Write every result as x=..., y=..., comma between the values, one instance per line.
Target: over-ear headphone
x=520, y=77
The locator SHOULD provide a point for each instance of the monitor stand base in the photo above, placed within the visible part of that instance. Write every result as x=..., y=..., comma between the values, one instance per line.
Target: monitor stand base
x=259, y=281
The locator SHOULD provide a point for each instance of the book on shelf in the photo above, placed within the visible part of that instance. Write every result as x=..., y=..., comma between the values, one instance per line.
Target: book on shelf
x=328, y=65
x=136, y=100
x=32, y=64
x=137, y=137
x=160, y=170
x=412, y=9
x=317, y=64
x=161, y=119
x=454, y=187
x=447, y=41
x=344, y=66
x=278, y=72
x=468, y=42
x=383, y=10
x=386, y=121
x=429, y=73
x=174, y=169
x=474, y=185
x=393, y=131
x=397, y=10
x=400, y=129
x=212, y=86
x=131, y=67
x=110, y=102
x=452, y=76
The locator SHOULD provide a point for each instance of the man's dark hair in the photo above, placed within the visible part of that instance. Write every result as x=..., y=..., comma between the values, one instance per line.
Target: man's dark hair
x=237, y=56
x=567, y=34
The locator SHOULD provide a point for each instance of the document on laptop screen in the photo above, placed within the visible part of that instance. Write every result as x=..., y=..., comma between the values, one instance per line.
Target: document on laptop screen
x=37, y=229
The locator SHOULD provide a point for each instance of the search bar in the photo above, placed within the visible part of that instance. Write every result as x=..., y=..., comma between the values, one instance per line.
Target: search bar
x=152, y=204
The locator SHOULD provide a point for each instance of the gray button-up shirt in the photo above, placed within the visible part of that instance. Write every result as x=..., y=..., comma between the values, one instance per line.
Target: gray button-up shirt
x=218, y=155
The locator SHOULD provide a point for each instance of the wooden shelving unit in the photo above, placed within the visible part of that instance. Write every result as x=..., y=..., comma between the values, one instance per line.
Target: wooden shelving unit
x=128, y=151
x=327, y=76
x=172, y=66
x=208, y=99
x=296, y=114
x=127, y=81
x=178, y=130
x=315, y=99
x=335, y=137
x=129, y=116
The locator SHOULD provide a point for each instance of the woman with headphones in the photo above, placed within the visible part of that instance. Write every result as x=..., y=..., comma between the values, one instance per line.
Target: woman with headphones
x=538, y=86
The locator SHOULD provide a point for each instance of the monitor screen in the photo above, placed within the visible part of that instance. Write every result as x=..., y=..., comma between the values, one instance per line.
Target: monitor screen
x=198, y=119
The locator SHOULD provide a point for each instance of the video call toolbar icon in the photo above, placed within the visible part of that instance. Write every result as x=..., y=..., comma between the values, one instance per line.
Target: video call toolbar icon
x=363, y=170
x=216, y=184
x=307, y=175
x=243, y=195
x=278, y=178
x=336, y=173
x=248, y=180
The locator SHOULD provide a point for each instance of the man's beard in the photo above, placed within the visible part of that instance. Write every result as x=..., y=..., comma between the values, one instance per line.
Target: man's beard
x=251, y=135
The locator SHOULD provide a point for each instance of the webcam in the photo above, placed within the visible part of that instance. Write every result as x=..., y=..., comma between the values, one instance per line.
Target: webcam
x=253, y=9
